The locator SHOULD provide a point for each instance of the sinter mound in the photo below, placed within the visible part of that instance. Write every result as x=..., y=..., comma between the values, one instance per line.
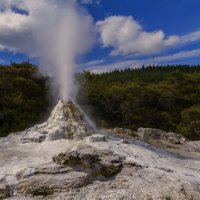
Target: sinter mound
x=65, y=122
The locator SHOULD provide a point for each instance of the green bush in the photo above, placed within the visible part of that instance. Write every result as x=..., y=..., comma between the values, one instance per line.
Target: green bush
x=190, y=122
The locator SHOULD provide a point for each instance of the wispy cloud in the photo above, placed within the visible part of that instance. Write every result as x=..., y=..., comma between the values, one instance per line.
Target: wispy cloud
x=94, y=62
x=138, y=63
x=190, y=37
x=177, y=56
x=90, y=1
x=2, y=61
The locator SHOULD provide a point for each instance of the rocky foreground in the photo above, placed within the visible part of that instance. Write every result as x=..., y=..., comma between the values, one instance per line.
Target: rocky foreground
x=65, y=158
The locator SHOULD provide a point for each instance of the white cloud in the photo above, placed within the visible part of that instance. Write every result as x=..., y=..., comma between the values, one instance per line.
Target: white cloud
x=191, y=37
x=10, y=20
x=94, y=62
x=138, y=63
x=87, y=1
x=55, y=31
x=90, y=1
x=19, y=32
x=13, y=27
x=176, y=56
x=127, y=36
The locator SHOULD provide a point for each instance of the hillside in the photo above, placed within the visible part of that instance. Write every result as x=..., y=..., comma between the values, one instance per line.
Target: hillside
x=165, y=97
x=23, y=97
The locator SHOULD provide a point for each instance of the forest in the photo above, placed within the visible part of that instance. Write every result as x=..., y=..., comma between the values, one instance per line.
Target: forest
x=162, y=97
x=24, y=97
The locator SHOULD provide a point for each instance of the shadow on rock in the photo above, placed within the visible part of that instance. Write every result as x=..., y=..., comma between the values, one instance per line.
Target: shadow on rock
x=95, y=162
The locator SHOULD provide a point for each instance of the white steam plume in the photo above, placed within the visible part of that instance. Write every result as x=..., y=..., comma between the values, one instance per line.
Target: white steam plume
x=55, y=31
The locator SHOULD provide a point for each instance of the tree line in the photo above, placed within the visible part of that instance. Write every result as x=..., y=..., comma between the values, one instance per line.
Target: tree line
x=163, y=97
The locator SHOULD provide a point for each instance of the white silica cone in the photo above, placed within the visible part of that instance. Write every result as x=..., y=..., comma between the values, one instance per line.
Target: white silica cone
x=65, y=122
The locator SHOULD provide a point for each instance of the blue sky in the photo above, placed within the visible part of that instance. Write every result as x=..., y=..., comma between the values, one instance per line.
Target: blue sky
x=178, y=20
x=174, y=17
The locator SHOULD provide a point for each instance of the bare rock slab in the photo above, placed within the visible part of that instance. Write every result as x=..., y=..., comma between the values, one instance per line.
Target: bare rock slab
x=48, y=184
x=96, y=162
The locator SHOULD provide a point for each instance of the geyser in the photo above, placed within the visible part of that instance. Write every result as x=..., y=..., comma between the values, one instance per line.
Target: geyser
x=62, y=35
x=65, y=122
x=55, y=31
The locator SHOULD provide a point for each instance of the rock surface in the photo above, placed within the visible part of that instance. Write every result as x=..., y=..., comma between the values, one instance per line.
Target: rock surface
x=95, y=161
x=120, y=132
x=5, y=191
x=65, y=122
x=48, y=184
x=101, y=166
x=148, y=134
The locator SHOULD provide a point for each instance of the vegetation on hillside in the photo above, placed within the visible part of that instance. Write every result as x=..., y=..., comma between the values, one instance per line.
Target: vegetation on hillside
x=166, y=98
x=23, y=97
